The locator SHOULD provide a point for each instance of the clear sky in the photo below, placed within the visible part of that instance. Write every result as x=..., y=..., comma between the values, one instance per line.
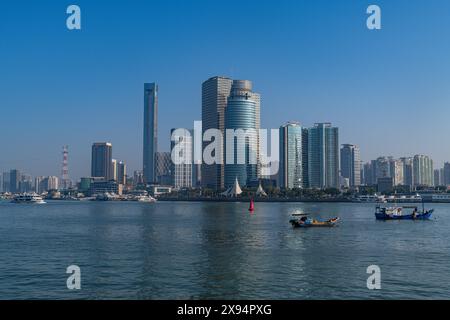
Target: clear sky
x=311, y=61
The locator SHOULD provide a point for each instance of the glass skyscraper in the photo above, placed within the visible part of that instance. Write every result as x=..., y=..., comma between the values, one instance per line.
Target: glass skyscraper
x=121, y=173
x=291, y=156
x=215, y=93
x=323, y=156
x=163, y=168
x=241, y=155
x=101, y=162
x=150, y=131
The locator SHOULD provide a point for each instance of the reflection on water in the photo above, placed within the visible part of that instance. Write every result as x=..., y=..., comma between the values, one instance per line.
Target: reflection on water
x=218, y=250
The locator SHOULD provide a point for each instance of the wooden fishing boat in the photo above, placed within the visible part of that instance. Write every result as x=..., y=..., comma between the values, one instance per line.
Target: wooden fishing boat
x=306, y=222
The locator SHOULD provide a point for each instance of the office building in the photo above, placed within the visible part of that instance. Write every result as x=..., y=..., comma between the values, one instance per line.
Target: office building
x=121, y=173
x=215, y=93
x=164, y=168
x=241, y=154
x=101, y=162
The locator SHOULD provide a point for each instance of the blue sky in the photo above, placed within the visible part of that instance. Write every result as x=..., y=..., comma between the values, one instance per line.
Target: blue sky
x=311, y=61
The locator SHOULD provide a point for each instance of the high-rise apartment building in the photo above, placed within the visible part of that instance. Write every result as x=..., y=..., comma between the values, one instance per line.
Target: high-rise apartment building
x=351, y=164
x=305, y=143
x=423, y=171
x=323, y=156
x=438, y=177
x=396, y=171
x=408, y=172
x=182, y=152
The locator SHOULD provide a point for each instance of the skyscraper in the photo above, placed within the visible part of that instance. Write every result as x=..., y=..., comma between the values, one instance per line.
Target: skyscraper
x=446, y=177
x=5, y=182
x=396, y=171
x=305, y=142
x=291, y=156
x=423, y=171
x=121, y=173
x=101, y=162
x=182, y=161
x=382, y=168
x=66, y=183
x=14, y=180
x=323, y=156
x=241, y=154
x=25, y=183
x=367, y=170
x=351, y=164
x=215, y=93
x=408, y=172
x=114, y=169
x=150, y=131
x=438, y=177
x=38, y=185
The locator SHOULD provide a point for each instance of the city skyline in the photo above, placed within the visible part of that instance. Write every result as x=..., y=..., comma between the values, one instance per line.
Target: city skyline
x=152, y=107
x=324, y=66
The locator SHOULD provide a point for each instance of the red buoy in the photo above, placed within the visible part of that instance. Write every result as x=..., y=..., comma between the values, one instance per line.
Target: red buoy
x=252, y=206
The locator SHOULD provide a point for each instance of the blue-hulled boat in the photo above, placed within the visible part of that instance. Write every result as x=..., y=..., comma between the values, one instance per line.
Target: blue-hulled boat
x=397, y=213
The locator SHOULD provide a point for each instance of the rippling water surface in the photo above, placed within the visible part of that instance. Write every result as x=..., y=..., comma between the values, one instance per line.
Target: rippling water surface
x=179, y=250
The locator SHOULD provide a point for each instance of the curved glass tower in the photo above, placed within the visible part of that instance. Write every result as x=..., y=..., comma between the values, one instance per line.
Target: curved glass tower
x=291, y=156
x=241, y=138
